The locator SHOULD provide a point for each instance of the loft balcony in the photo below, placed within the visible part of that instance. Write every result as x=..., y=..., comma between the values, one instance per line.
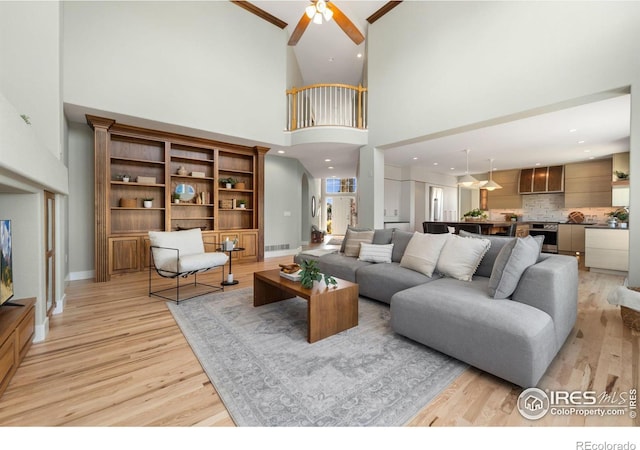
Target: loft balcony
x=327, y=105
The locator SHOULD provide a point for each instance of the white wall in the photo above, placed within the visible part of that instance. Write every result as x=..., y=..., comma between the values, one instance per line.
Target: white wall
x=282, y=201
x=203, y=65
x=30, y=66
x=81, y=202
x=32, y=157
x=463, y=64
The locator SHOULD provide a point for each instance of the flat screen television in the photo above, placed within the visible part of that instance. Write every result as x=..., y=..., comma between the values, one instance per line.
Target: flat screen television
x=6, y=263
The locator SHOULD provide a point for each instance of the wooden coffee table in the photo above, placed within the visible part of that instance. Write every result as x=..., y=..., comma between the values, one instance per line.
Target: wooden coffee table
x=330, y=310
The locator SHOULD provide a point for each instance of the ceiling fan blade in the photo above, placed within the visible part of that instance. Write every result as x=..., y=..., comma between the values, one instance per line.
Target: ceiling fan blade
x=299, y=30
x=347, y=26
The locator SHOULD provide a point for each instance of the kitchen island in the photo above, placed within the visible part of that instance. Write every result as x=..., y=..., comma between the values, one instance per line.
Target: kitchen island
x=492, y=227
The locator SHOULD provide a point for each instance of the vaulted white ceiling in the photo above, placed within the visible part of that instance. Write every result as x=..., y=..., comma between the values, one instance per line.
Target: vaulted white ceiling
x=325, y=54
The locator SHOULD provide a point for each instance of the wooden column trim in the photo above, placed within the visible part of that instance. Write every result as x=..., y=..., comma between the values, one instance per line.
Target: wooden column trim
x=101, y=197
x=260, y=152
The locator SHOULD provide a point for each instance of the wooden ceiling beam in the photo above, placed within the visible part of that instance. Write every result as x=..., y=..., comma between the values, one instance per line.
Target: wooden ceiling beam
x=382, y=11
x=260, y=13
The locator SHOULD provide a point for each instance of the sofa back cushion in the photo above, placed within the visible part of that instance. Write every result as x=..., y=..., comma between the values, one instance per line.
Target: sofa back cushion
x=497, y=242
x=382, y=236
x=400, y=240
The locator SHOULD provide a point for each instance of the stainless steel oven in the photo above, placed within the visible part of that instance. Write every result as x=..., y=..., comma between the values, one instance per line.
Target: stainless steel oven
x=550, y=232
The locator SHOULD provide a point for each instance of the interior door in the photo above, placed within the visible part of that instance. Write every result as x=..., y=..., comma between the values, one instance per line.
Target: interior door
x=340, y=214
x=50, y=249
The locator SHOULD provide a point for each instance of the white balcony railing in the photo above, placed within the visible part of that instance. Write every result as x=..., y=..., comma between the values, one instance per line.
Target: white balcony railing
x=327, y=104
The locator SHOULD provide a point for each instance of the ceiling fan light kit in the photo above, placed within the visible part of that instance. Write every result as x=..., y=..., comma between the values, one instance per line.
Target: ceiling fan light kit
x=320, y=9
x=317, y=11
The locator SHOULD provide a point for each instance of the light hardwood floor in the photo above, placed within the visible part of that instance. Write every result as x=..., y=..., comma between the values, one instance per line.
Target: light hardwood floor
x=115, y=357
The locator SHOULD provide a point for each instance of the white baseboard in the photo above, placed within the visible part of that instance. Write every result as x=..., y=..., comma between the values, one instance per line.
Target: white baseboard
x=41, y=331
x=85, y=275
x=60, y=305
x=277, y=253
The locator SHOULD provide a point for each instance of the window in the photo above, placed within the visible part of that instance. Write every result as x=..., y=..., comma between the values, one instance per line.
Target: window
x=336, y=185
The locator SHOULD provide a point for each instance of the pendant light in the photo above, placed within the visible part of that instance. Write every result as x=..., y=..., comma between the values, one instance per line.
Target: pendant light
x=491, y=185
x=467, y=180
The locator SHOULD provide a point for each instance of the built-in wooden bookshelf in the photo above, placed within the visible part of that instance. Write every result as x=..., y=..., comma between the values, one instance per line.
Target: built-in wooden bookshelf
x=133, y=164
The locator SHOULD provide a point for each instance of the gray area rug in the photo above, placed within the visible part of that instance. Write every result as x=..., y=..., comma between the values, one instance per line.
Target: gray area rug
x=267, y=374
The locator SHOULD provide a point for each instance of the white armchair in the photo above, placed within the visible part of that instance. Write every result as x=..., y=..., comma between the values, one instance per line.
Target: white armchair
x=178, y=254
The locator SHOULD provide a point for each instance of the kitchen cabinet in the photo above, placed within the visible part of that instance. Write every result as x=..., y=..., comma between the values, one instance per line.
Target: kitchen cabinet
x=607, y=249
x=571, y=238
x=541, y=180
x=588, y=184
x=508, y=197
x=392, y=197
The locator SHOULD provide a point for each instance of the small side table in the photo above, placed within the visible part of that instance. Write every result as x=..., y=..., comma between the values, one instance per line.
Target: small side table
x=235, y=249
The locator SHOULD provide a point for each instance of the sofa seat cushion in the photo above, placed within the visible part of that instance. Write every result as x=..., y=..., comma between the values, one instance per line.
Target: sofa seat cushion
x=340, y=266
x=511, y=340
x=381, y=281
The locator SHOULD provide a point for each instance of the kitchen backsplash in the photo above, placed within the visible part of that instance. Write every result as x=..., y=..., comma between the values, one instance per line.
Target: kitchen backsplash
x=549, y=208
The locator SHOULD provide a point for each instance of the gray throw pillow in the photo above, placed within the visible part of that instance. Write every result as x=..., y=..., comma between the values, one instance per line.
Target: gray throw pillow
x=514, y=258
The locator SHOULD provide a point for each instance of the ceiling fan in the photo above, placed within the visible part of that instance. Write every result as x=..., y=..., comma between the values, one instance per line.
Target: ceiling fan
x=334, y=12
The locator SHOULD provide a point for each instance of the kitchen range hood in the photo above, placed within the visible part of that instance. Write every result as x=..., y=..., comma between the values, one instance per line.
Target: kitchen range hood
x=541, y=180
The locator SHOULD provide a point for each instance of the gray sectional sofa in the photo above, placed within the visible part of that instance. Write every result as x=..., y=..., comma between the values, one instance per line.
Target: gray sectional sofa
x=514, y=338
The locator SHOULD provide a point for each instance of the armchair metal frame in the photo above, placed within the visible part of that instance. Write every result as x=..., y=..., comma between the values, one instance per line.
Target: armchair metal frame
x=177, y=275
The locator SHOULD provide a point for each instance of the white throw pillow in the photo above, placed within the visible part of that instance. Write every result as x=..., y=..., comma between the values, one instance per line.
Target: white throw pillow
x=461, y=256
x=423, y=251
x=514, y=258
x=375, y=253
x=353, y=240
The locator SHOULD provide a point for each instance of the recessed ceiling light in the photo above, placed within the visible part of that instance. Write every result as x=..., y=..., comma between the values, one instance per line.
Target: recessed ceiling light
x=587, y=151
x=592, y=157
x=331, y=59
x=452, y=168
x=359, y=55
x=281, y=151
x=537, y=164
x=580, y=142
x=330, y=167
x=435, y=164
x=327, y=160
x=415, y=157
x=573, y=130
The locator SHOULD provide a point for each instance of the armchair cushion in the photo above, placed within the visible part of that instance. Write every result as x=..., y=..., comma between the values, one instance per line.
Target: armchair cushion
x=182, y=252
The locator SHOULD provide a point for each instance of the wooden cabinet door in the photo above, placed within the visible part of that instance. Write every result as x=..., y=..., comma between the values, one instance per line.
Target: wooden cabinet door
x=540, y=179
x=124, y=254
x=555, y=179
x=564, y=238
x=526, y=181
x=577, y=238
x=249, y=241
